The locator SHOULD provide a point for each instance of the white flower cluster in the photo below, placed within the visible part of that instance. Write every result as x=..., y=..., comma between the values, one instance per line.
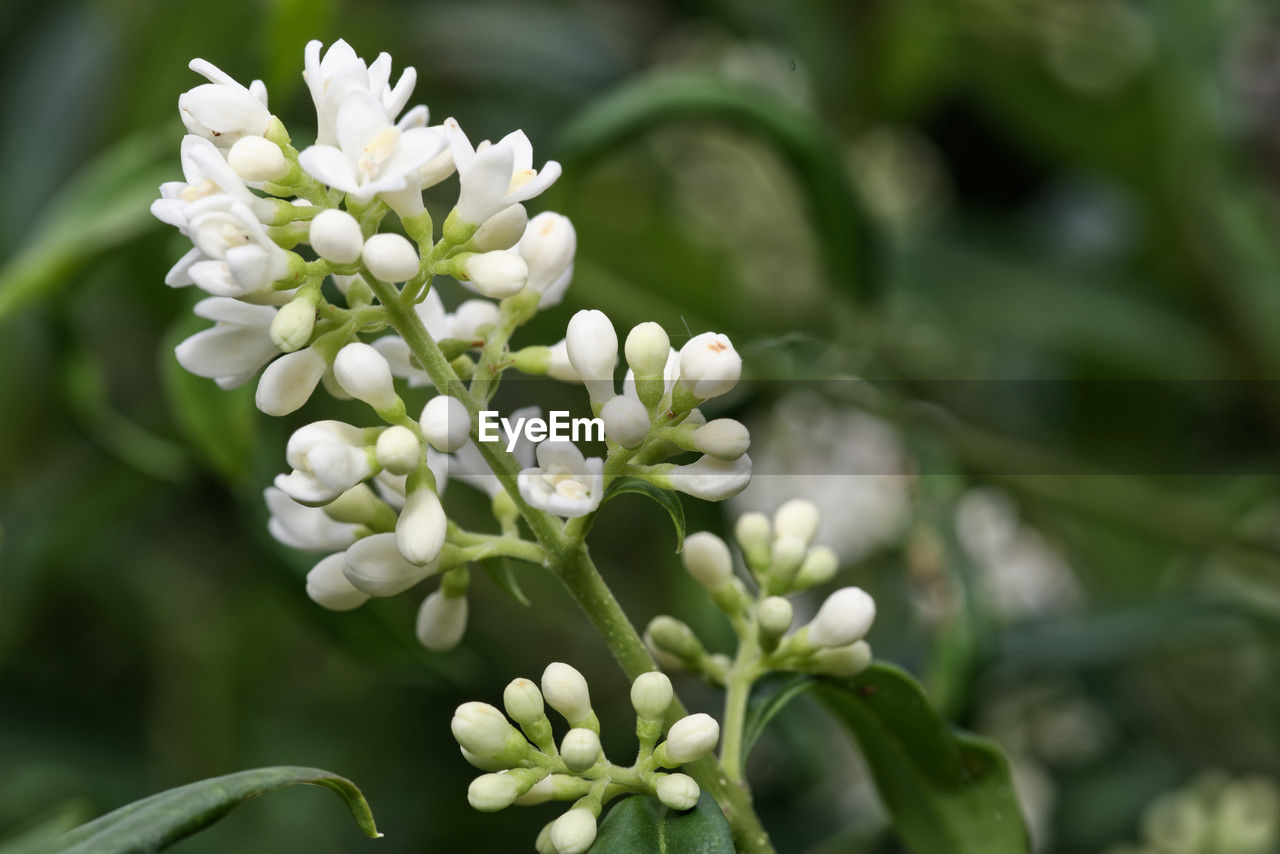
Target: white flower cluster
x=319, y=265
x=781, y=562
x=525, y=767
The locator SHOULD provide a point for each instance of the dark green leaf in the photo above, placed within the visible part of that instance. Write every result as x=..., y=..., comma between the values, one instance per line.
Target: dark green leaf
x=945, y=791
x=642, y=825
x=667, y=499
x=503, y=576
x=157, y=822
x=763, y=711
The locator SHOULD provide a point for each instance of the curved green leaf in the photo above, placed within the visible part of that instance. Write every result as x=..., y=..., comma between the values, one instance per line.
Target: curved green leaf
x=667, y=499
x=763, y=711
x=796, y=136
x=503, y=576
x=642, y=825
x=945, y=791
x=155, y=823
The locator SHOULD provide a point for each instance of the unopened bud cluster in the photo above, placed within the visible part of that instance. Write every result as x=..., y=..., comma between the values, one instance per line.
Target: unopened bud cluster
x=526, y=766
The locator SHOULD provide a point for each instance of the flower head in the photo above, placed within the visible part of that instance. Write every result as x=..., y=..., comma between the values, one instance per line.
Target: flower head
x=564, y=483
x=495, y=176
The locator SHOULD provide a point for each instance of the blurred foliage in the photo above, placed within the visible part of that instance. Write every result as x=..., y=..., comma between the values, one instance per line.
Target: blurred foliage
x=1047, y=237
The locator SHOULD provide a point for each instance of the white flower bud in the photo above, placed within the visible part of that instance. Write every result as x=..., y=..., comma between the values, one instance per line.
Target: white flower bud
x=626, y=421
x=256, y=159
x=593, y=352
x=707, y=559
x=329, y=588
x=580, y=749
x=651, y=694
x=473, y=314
x=523, y=701
x=844, y=661
x=669, y=636
x=547, y=246
x=788, y=554
x=691, y=738
x=481, y=763
x=774, y=615
x=709, y=366
x=566, y=691
x=561, y=368
x=678, y=791
x=375, y=566
x=445, y=423
x=493, y=792
x=335, y=236
x=398, y=450
x=498, y=274
x=819, y=567
x=711, y=479
x=364, y=374
x=291, y=327
x=573, y=832
x=797, y=518
x=442, y=620
x=754, y=534
x=647, y=349
x=483, y=730
x=723, y=438
x=843, y=619
x=288, y=382
x=502, y=230
x=390, y=257
x=421, y=528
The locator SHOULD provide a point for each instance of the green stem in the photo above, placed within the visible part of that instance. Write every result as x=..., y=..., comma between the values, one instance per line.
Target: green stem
x=741, y=677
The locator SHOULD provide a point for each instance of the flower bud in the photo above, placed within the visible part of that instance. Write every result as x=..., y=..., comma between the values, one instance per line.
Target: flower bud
x=291, y=327
x=257, y=159
x=329, y=588
x=493, y=792
x=626, y=421
x=441, y=621
x=523, y=702
x=364, y=374
x=707, y=559
x=566, y=691
x=486, y=732
x=498, y=274
x=691, y=738
x=672, y=637
x=473, y=314
x=711, y=479
x=678, y=791
x=420, y=531
x=709, y=366
x=843, y=619
x=445, y=423
x=502, y=230
x=375, y=566
x=647, y=349
x=774, y=615
x=788, y=554
x=390, y=257
x=573, y=832
x=651, y=694
x=593, y=351
x=335, y=236
x=560, y=368
x=819, y=567
x=797, y=518
x=398, y=450
x=843, y=661
x=289, y=381
x=482, y=764
x=755, y=537
x=724, y=439
x=547, y=246
x=580, y=749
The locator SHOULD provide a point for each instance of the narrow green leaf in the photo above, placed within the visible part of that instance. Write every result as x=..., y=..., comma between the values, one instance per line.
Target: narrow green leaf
x=641, y=825
x=40, y=835
x=945, y=791
x=668, y=500
x=764, y=710
x=155, y=823
x=503, y=576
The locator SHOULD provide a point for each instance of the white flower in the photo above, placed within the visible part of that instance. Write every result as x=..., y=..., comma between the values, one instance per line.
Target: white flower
x=335, y=236
x=371, y=156
x=691, y=738
x=328, y=458
x=206, y=174
x=237, y=345
x=421, y=528
x=470, y=467
x=563, y=483
x=293, y=324
x=709, y=366
x=707, y=559
x=307, y=528
x=257, y=159
x=365, y=374
x=236, y=255
x=442, y=620
x=494, y=177
x=375, y=566
x=593, y=350
x=712, y=479
x=331, y=77
x=289, y=381
x=329, y=588
x=445, y=423
x=390, y=257
x=547, y=245
x=843, y=619
x=626, y=421
x=497, y=274
x=222, y=110
x=503, y=230
x=565, y=690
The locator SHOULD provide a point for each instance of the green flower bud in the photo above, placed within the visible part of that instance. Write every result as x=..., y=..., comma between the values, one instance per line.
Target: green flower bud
x=398, y=450
x=676, y=640
x=677, y=791
x=493, y=792
x=844, y=661
x=485, y=731
x=819, y=567
x=291, y=327
x=651, y=695
x=523, y=701
x=755, y=536
x=689, y=739
x=773, y=615
x=707, y=559
x=580, y=749
x=573, y=832
x=566, y=691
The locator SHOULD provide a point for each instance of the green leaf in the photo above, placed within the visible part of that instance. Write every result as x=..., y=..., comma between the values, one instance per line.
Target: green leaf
x=763, y=711
x=667, y=499
x=503, y=576
x=157, y=822
x=642, y=825
x=945, y=791
x=40, y=835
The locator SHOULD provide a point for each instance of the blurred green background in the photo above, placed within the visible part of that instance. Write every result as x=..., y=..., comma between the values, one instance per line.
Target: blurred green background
x=1045, y=234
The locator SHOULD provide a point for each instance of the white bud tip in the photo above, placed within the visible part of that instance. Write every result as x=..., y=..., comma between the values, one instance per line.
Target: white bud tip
x=398, y=450
x=723, y=438
x=523, y=701
x=797, y=518
x=498, y=274
x=678, y=791
x=573, y=832
x=492, y=792
x=390, y=257
x=445, y=423
x=709, y=366
x=707, y=559
x=692, y=738
x=626, y=421
x=335, y=236
x=774, y=615
x=647, y=349
x=329, y=588
x=580, y=749
x=257, y=159
x=651, y=694
x=843, y=619
x=566, y=691
x=442, y=620
x=364, y=373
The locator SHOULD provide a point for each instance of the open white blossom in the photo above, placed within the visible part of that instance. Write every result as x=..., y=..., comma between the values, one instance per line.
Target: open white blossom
x=564, y=483
x=235, y=347
x=307, y=528
x=328, y=458
x=237, y=257
x=496, y=176
x=339, y=71
x=223, y=110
